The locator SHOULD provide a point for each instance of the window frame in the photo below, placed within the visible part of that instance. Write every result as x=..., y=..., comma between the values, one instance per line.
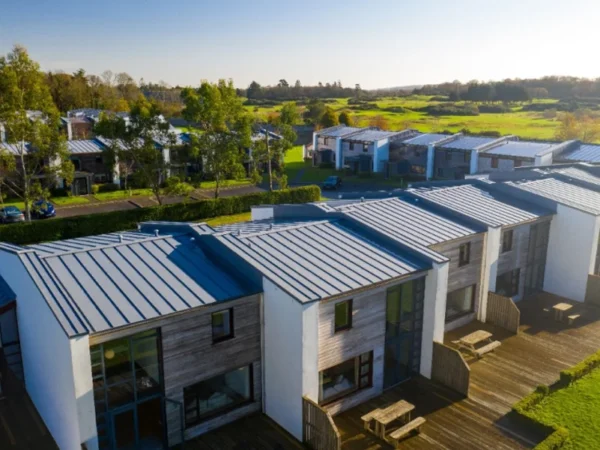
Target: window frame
x=448, y=155
x=494, y=162
x=351, y=146
x=463, y=313
x=515, y=282
x=365, y=148
x=231, y=334
x=466, y=157
x=358, y=386
x=218, y=412
x=348, y=324
x=505, y=247
x=464, y=256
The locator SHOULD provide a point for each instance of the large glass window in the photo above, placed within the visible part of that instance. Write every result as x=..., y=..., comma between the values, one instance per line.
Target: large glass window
x=464, y=255
x=507, y=241
x=217, y=395
x=125, y=372
x=507, y=284
x=460, y=302
x=346, y=378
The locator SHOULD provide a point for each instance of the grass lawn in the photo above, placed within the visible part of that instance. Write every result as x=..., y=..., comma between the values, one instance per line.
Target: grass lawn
x=576, y=408
x=224, y=220
x=66, y=201
x=122, y=195
x=521, y=123
x=19, y=205
x=225, y=183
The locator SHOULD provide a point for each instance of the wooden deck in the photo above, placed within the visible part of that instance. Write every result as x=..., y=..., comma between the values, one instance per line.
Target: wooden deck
x=21, y=427
x=535, y=356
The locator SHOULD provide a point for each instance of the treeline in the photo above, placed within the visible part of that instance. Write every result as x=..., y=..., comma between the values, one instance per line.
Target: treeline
x=283, y=91
x=516, y=90
x=110, y=91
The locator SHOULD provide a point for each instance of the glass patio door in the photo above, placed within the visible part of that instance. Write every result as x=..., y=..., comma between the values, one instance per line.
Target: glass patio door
x=137, y=426
x=124, y=429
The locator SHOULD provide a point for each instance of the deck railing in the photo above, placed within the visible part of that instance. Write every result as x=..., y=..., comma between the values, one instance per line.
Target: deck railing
x=450, y=368
x=319, y=431
x=503, y=312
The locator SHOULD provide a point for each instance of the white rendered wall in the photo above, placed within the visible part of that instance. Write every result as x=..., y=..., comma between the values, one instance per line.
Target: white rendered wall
x=571, y=252
x=430, y=161
x=490, y=268
x=434, y=313
x=382, y=154
x=339, y=155
x=544, y=160
x=47, y=359
x=474, y=161
x=290, y=357
x=84, y=391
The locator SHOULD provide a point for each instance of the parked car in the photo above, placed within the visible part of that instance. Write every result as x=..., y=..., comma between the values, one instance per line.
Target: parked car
x=43, y=209
x=11, y=214
x=332, y=182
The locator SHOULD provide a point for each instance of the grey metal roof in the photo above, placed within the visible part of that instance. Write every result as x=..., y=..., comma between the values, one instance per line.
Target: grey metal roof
x=319, y=259
x=585, y=152
x=519, y=149
x=107, y=287
x=563, y=192
x=87, y=243
x=426, y=139
x=85, y=146
x=7, y=295
x=256, y=226
x=369, y=135
x=478, y=204
x=577, y=174
x=15, y=149
x=409, y=224
x=338, y=131
x=467, y=142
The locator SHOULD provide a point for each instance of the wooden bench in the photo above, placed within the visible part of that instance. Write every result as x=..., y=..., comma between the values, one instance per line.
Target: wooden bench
x=370, y=416
x=487, y=348
x=416, y=424
x=572, y=318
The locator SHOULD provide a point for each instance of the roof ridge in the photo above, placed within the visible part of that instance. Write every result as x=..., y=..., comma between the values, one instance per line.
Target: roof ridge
x=239, y=232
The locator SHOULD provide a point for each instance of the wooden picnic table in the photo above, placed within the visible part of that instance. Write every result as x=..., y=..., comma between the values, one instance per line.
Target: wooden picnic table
x=559, y=310
x=384, y=417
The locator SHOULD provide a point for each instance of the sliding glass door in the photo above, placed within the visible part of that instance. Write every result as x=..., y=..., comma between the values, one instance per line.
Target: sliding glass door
x=404, y=320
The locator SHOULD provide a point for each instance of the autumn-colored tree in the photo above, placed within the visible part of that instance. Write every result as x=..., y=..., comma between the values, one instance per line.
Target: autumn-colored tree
x=380, y=122
x=583, y=126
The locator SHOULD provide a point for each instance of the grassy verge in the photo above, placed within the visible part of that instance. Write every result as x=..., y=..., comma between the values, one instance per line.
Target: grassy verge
x=19, y=205
x=225, y=183
x=66, y=201
x=122, y=195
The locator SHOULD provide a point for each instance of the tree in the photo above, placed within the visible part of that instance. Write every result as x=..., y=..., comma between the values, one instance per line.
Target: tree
x=225, y=124
x=583, y=127
x=267, y=150
x=345, y=118
x=328, y=119
x=314, y=111
x=141, y=141
x=380, y=122
x=40, y=148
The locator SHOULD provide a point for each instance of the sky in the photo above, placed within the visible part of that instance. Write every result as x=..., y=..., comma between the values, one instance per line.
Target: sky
x=376, y=43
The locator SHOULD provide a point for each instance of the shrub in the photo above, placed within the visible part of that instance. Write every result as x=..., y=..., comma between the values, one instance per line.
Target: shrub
x=451, y=110
x=524, y=405
x=579, y=370
x=108, y=187
x=95, y=189
x=559, y=439
x=395, y=109
x=109, y=222
x=59, y=192
x=494, y=109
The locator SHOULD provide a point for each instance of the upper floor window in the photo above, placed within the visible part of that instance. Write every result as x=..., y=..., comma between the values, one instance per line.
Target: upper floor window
x=518, y=163
x=343, y=315
x=507, y=241
x=222, y=325
x=466, y=157
x=365, y=148
x=351, y=145
x=448, y=156
x=494, y=163
x=325, y=141
x=464, y=256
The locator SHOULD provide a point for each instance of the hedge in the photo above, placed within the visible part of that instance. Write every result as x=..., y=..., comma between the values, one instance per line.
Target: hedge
x=110, y=222
x=580, y=370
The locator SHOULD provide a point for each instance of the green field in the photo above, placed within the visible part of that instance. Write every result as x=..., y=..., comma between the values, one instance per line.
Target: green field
x=576, y=408
x=122, y=194
x=524, y=124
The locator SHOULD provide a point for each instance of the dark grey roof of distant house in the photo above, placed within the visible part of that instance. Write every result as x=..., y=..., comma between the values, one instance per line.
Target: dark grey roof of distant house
x=485, y=206
x=7, y=295
x=410, y=224
x=104, y=287
x=563, y=192
x=467, y=142
x=318, y=259
x=577, y=174
x=87, y=243
x=338, y=131
x=85, y=146
x=585, y=152
x=520, y=149
x=15, y=149
x=426, y=139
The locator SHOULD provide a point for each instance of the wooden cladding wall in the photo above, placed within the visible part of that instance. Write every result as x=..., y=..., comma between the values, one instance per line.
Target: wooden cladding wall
x=516, y=258
x=592, y=293
x=450, y=368
x=189, y=356
x=319, y=432
x=503, y=312
x=469, y=274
